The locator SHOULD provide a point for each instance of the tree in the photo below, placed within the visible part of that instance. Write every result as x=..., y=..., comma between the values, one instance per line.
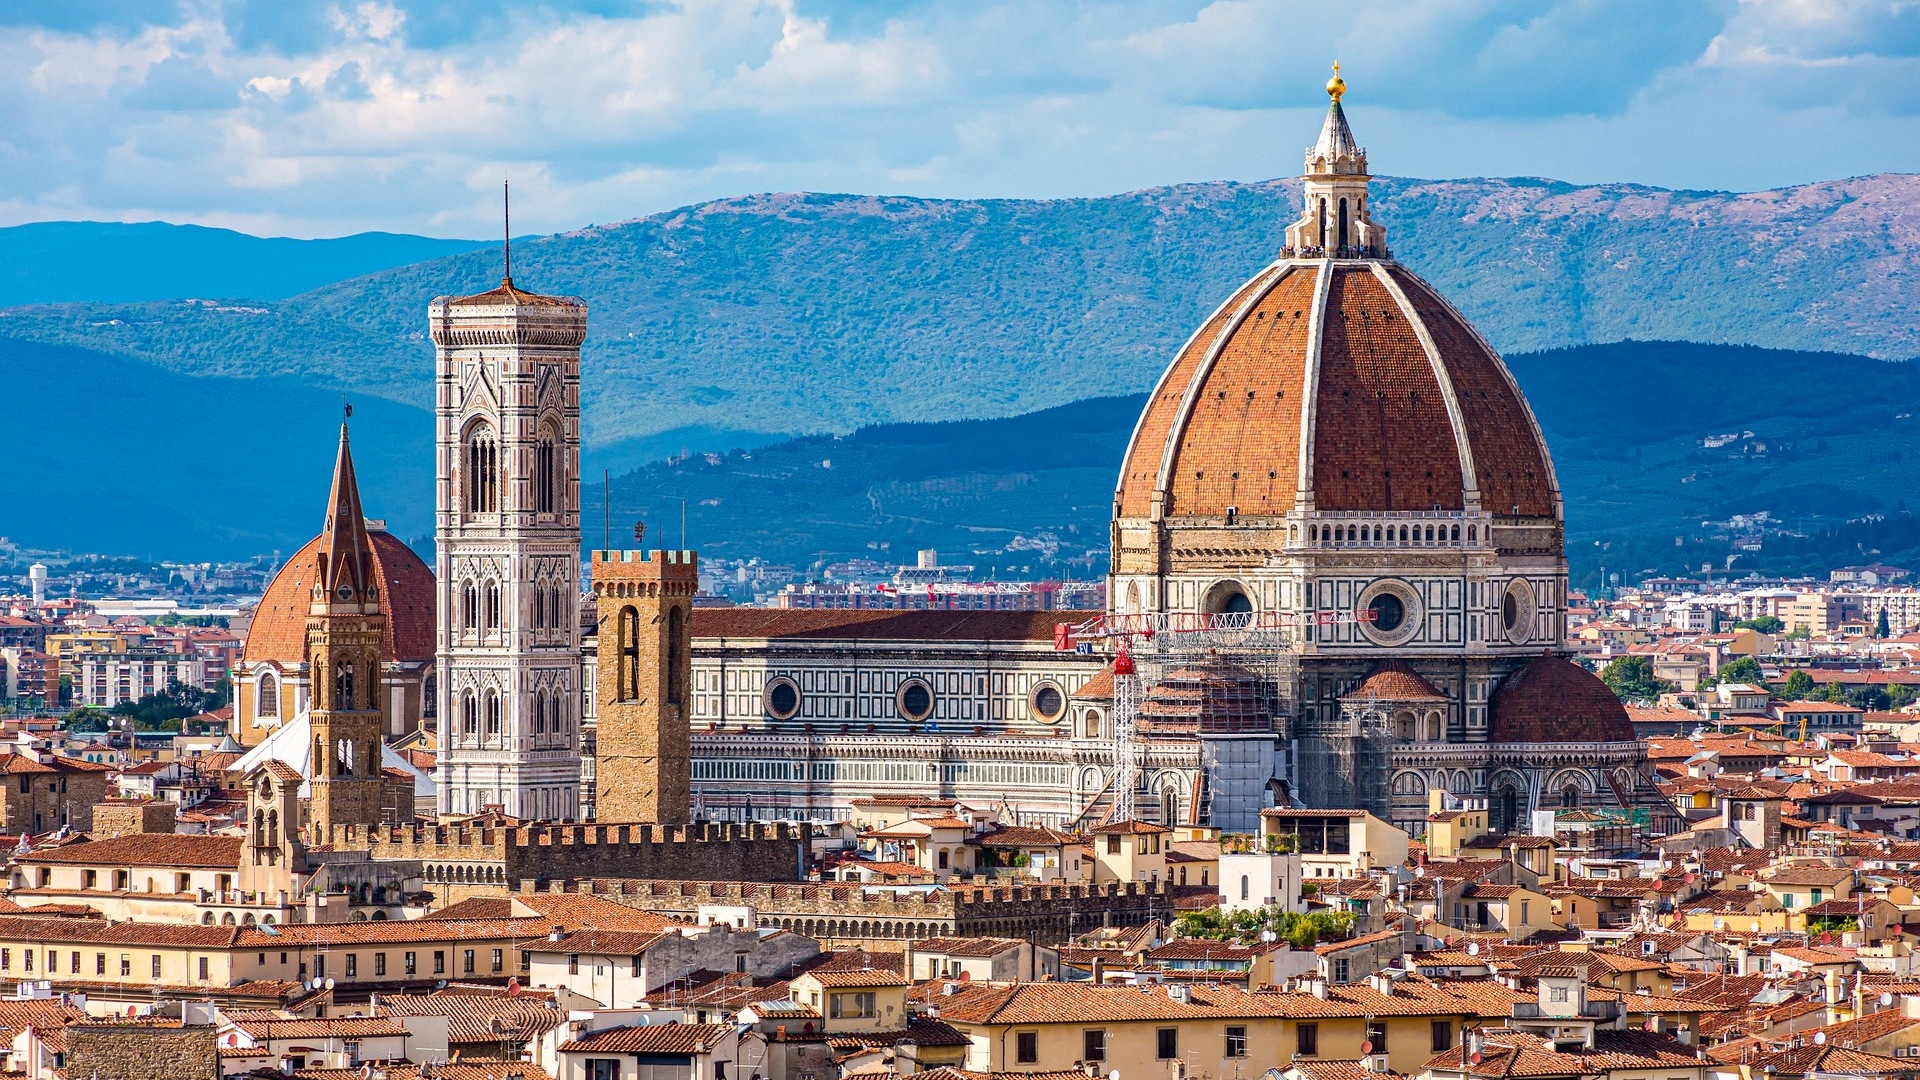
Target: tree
x=1744, y=670
x=1833, y=692
x=1765, y=624
x=1880, y=627
x=1799, y=686
x=1631, y=678
x=1899, y=695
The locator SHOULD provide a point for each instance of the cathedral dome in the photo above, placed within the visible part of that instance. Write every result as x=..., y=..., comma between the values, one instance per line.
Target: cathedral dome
x=1556, y=701
x=279, y=629
x=1336, y=385
x=1335, y=381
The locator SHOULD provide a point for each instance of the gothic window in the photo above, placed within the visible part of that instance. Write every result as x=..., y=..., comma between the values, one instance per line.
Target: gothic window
x=429, y=698
x=480, y=466
x=267, y=697
x=470, y=714
x=540, y=713
x=546, y=473
x=492, y=603
x=627, y=683
x=344, y=751
x=1569, y=797
x=1343, y=223
x=470, y=607
x=1403, y=726
x=343, y=685
x=676, y=656
x=493, y=713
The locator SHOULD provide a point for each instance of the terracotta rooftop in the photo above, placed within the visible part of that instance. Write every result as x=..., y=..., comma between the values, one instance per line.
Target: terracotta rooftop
x=159, y=850
x=279, y=628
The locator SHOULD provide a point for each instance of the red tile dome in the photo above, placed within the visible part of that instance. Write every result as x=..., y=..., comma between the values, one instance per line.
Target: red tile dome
x=1348, y=382
x=1395, y=681
x=279, y=628
x=1556, y=701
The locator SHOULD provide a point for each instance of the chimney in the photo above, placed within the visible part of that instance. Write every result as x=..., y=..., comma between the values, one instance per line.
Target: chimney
x=1099, y=971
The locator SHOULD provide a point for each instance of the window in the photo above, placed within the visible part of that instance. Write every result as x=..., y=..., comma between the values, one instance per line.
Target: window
x=1048, y=703
x=379, y=964
x=915, y=700
x=1113, y=844
x=1306, y=1040
x=573, y=963
x=481, y=465
x=91, y=879
x=409, y=965
x=1166, y=1043
x=1236, y=1041
x=73, y=962
x=676, y=656
x=1026, y=1048
x=1244, y=887
x=603, y=1069
x=1442, y=1036
x=546, y=474
x=1557, y=993
x=500, y=962
x=267, y=697
x=783, y=698
x=1094, y=1046
x=320, y=966
x=99, y=963
x=627, y=684
x=858, y=1006
x=466, y=962
x=353, y=965
x=203, y=966
x=1341, y=971
x=1377, y=1035
x=439, y=962
x=739, y=964
x=26, y=957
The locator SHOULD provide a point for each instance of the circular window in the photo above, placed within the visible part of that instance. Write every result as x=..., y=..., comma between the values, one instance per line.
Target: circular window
x=783, y=698
x=1229, y=598
x=1390, y=612
x=1516, y=611
x=1048, y=702
x=915, y=699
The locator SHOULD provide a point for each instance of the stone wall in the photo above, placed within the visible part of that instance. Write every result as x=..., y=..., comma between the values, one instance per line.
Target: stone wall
x=125, y=817
x=1050, y=914
x=506, y=858
x=142, y=1052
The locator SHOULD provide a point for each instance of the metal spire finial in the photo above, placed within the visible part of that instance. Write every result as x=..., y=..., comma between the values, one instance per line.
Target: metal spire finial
x=506, y=229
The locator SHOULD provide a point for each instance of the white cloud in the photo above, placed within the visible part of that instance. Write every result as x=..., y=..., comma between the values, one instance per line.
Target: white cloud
x=328, y=116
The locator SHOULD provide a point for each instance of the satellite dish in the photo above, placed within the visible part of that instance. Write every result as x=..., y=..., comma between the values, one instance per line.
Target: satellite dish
x=329, y=984
x=1886, y=999
x=1819, y=1038
x=1114, y=1075
x=1756, y=926
x=1719, y=924
x=1366, y=1048
x=1473, y=949
x=1475, y=1058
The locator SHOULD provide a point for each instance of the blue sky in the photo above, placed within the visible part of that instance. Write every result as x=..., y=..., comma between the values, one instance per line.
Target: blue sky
x=323, y=117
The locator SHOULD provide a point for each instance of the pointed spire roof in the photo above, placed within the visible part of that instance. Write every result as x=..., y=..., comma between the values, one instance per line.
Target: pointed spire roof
x=346, y=553
x=1336, y=151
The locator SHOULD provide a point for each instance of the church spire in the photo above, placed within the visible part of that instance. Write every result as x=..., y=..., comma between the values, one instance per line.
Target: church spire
x=346, y=570
x=1335, y=222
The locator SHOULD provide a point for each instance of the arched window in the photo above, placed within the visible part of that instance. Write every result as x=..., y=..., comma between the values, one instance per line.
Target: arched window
x=1246, y=887
x=493, y=713
x=540, y=712
x=267, y=696
x=480, y=465
x=492, y=605
x=546, y=472
x=430, y=697
x=1343, y=223
x=676, y=656
x=1570, y=797
x=343, y=685
x=628, y=682
x=470, y=714
x=1322, y=242
x=470, y=607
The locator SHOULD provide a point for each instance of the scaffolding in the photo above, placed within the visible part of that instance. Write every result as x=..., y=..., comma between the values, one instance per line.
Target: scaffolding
x=1191, y=676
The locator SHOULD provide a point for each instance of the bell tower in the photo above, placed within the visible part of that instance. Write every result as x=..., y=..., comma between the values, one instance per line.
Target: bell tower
x=643, y=771
x=344, y=627
x=508, y=563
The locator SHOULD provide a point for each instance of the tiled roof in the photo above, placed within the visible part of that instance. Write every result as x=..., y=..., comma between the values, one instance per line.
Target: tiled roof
x=599, y=943
x=162, y=850
x=743, y=622
x=1131, y=828
x=856, y=977
x=1552, y=701
x=967, y=946
x=1080, y=1003
x=920, y=1032
x=1395, y=681
x=467, y=1068
x=478, y=1018
x=687, y=1039
x=262, y=1029
x=395, y=931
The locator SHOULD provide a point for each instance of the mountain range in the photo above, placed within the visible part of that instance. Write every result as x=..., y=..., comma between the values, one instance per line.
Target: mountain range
x=743, y=322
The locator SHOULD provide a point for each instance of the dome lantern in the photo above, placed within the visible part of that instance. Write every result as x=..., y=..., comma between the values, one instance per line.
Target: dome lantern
x=1335, y=221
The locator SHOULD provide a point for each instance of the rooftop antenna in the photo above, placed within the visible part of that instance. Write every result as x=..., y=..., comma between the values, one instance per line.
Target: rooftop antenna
x=506, y=229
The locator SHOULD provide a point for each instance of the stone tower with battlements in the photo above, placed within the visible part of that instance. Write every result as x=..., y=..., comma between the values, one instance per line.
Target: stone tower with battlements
x=643, y=765
x=344, y=626
x=507, y=401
